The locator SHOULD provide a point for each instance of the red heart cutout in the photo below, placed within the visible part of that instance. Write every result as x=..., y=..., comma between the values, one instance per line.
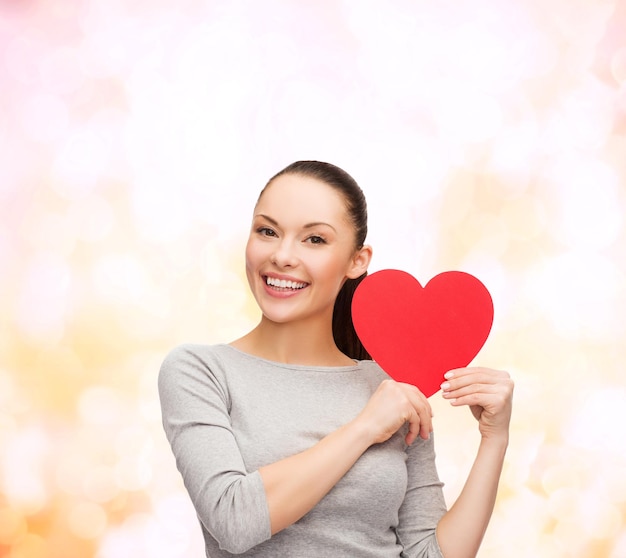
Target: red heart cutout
x=416, y=334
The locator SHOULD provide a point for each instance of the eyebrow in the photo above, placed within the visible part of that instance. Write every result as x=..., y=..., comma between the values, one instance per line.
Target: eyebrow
x=307, y=226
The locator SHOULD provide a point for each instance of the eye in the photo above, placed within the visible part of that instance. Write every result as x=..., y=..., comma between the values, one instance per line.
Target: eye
x=266, y=231
x=315, y=239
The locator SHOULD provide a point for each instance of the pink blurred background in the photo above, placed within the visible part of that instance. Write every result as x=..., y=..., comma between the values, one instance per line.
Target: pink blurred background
x=134, y=138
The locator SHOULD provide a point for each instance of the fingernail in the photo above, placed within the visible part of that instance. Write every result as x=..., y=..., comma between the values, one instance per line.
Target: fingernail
x=445, y=386
x=448, y=375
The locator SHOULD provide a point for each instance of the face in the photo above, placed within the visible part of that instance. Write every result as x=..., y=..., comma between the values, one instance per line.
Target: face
x=301, y=249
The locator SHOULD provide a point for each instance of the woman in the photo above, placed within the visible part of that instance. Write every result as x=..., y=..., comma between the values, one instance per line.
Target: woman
x=290, y=441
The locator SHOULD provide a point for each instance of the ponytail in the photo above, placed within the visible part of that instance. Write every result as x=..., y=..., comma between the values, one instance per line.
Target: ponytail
x=344, y=333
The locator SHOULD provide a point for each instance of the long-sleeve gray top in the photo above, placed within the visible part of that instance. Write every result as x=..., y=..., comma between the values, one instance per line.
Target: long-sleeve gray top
x=227, y=413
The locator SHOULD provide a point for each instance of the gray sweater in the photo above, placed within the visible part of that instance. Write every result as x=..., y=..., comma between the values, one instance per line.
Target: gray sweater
x=227, y=413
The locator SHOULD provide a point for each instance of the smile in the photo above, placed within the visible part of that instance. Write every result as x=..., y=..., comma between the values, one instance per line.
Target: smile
x=284, y=284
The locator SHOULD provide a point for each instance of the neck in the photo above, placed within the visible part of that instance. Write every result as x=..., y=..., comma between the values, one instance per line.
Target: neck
x=294, y=343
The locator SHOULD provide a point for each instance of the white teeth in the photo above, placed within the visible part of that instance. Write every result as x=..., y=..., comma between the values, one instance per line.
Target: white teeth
x=284, y=284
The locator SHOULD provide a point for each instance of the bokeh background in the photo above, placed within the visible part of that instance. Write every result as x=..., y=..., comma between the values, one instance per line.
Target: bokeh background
x=489, y=137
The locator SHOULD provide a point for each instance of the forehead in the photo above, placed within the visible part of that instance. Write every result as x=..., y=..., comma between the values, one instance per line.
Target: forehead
x=296, y=197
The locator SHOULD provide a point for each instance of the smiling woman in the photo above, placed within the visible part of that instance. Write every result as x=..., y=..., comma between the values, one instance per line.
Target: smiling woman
x=290, y=440
x=301, y=250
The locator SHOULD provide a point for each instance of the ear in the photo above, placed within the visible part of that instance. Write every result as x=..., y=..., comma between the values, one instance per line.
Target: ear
x=360, y=262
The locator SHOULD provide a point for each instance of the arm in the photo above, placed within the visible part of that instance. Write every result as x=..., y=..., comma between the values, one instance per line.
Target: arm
x=241, y=509
x=296, y=484
x=229, y=500
x=423, y=504
x=489, y=395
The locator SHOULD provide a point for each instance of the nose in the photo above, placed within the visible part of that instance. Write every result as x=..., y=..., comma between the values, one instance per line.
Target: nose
x=284, y=254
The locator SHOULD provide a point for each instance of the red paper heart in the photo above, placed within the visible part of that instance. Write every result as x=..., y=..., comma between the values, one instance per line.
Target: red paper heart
x=416, y=334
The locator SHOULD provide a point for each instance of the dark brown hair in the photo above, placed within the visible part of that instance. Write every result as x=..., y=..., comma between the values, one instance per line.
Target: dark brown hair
x=344, y=333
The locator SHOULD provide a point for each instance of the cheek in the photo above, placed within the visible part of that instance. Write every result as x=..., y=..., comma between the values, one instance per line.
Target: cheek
x=335, y=268
x=252, y=256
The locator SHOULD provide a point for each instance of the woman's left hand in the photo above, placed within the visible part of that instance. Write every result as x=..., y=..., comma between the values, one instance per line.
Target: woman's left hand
x=487, y=392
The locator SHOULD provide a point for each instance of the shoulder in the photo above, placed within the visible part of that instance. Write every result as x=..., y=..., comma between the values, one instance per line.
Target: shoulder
x=187, y=356
x=193, y=371
x=191, y=362
x=373, y=368
x=200, y=360
x=194, y=354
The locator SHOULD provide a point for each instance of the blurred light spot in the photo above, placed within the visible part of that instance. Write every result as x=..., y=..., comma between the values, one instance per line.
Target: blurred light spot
x=22, y=57
x=213, y=266
x=133, y=473
x=539, y=54
x=12, y=399
x=132, y=441
x=99, y=484
x=101, y=406
x=576, y=292
x=42, y=302
x=416, y=168
x=12, y=526
x=600, y=411
x=149, y=406
x=80, y=162
x=599, y=518
x=92, y=218
x=60, y=71
x=564, y=532
x=563, y=504
x=466, y=116
x=126, y=539
x=588, y=210
x=109, y=124
x=105, y=52
x=171, y=532
x=44, y=117
x=490, y=50
x=87, y=520
x=485, y=233
x=22, y=469
x=120, y=278
x=618, y=65
x=583, y=120
x=30, y=546
x=8, y=428
x=512, y=156
x=71, y=470
x=160, y=212
x=525, y=218
x=619, y=549
x=52, y=232
x=560, y=476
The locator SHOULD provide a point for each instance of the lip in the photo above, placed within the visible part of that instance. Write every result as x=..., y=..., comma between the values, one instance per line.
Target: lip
x=287, y=293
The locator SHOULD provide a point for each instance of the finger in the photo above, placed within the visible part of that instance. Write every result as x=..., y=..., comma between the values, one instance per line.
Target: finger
x=423, y=410
x=417, y=398
x=415, y=426
x=465, y=374
x=414, y=429
x=478, y=376
x=462, y=391
x=491, y=402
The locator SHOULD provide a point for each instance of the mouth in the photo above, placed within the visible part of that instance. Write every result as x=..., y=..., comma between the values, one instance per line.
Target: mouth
x=284, y=285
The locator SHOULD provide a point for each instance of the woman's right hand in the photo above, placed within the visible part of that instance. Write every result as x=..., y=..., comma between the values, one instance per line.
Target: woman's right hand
x=393, y=404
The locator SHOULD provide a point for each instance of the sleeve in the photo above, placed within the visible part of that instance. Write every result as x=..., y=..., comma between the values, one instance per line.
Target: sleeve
x=423, y=504
x=229, y=501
